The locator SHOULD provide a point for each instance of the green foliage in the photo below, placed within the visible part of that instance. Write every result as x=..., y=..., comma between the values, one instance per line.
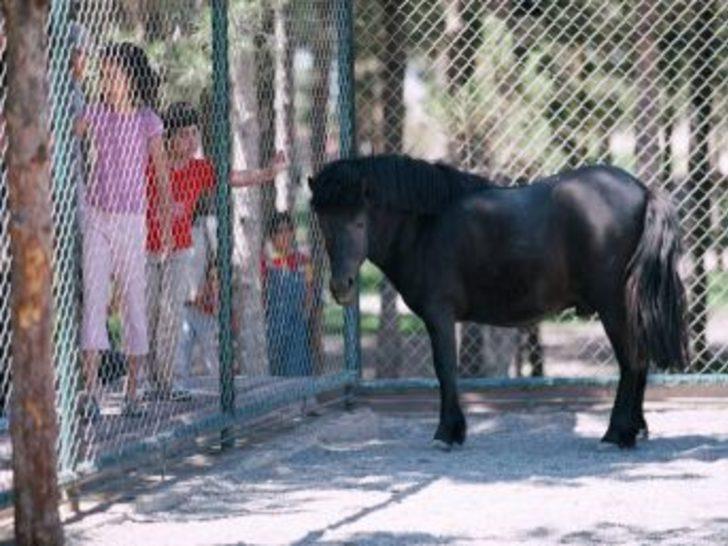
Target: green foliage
x=334, y=322
x=549, y=87
x=369, y=278
x=718, y=289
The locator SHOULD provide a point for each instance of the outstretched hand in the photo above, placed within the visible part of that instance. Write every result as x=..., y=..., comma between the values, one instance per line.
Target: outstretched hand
x=279, y=161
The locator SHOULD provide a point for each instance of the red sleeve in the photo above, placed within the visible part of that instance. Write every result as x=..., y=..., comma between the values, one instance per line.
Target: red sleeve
x=151, y=185
x=207, y=175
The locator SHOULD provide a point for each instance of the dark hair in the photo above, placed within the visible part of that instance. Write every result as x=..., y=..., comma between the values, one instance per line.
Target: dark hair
x=395, y=181
x=179, y=115
x=280, y=221
x=134, y=62
x=74, y=10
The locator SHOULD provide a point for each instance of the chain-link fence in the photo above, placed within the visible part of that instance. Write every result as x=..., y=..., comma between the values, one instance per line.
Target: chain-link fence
x=520, y=89
x=184, y=303
x=189, y=273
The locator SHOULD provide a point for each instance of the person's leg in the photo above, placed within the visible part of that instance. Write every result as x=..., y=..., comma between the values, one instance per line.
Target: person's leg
x=185, y=344
x=302, y=347
x=207, y=332
x=89, y=402
x=195, y=273
x=197, y=260
x=129, y=261
x=172, y=298
x=131, y=381
x=153, y=286
x=97, y=273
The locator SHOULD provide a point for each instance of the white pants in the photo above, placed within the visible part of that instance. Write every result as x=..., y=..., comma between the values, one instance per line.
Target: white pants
x=165, y=299
x=202, y=253
x=114, y=249
x=198, y=346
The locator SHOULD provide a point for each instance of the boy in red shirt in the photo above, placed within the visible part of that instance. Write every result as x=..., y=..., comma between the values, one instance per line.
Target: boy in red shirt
x=190, y=178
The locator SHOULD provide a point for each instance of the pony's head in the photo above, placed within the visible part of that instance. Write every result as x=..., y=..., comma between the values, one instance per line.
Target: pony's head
x=339, y=203
x=346, y=189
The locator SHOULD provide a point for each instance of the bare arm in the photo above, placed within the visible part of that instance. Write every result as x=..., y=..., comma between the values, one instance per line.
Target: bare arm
x=252, y=177
x=80, y=127
x=255, y=177
x=164, y=190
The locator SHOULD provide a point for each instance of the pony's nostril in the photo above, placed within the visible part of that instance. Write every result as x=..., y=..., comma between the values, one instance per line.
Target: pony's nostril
x=350, y=282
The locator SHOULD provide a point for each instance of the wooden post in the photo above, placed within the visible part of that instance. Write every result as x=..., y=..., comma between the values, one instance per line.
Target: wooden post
x=33, y=419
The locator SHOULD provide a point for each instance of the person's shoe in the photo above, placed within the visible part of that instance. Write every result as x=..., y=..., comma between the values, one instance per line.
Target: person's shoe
x=131, y=409
x=154, y=395
x=179, y=395
x=167, y=395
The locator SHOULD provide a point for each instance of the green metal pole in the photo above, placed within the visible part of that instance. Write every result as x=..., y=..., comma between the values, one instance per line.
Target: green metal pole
x=65, y=280
x=347, y=143
x=221, y=154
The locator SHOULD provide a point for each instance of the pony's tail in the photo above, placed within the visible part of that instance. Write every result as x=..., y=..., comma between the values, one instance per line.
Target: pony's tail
x=656, y=303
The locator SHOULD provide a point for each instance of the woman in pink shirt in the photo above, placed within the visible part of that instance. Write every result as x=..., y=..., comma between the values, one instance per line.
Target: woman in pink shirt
x=124, y=132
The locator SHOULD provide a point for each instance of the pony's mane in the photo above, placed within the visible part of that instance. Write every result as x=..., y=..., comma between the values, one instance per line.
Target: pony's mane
x=394, y=181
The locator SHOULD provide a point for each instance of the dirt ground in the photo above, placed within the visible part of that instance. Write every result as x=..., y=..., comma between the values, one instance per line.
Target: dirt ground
x=532, y=472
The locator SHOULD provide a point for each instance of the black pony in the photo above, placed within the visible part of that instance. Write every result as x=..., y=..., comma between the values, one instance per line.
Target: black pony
x=458, y=248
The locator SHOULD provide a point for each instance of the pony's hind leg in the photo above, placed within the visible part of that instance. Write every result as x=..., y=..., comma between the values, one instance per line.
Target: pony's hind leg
x=642, y=429
x=452, y=426
x=624, y=423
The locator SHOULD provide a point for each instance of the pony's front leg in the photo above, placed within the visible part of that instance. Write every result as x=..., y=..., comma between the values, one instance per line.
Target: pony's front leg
x=452, y=427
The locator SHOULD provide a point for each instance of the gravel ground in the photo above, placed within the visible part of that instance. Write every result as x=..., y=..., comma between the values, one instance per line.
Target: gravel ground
x=529, y=474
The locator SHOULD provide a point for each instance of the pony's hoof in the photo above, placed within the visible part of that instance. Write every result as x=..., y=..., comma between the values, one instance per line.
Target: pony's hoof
x=622, y=439
x=441, y=445
x=454, y=432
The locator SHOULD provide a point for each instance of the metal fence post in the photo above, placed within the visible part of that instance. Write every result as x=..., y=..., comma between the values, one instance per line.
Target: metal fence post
x=221, y=154
x=347, y=143
x=65, y=281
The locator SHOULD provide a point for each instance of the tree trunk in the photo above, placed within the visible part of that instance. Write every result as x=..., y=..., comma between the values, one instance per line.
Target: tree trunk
x=285, y=105
x=5, y=261
x=265, y=95
x=392, y=70
x=464, y=36
x=156, y=21
x=33, y=419
x=647, y=77
x=529, y=342
x=702, y=84
x=321, y=46
x=250, y=337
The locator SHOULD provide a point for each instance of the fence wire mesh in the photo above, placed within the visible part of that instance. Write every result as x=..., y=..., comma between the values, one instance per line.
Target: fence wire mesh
x=182, y=301
x=512, y=89
x=516, y=90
